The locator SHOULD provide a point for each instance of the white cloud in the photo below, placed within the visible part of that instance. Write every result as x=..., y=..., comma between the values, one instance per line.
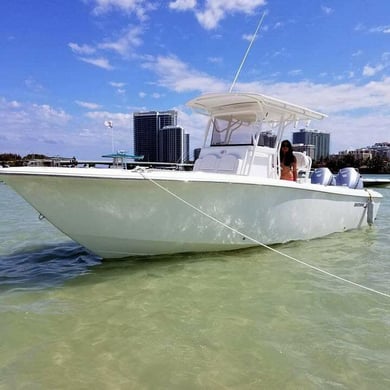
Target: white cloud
x=281, y=52
x=360, y=27
x=182, y=5
x=120, y=120
x=215, y=10
x=357, y=53
x=86, y=133
x=49, y=115
x=215, y=60
x=380, y=29
x=178, y=76
x=45, y=114
x=371, y=70
x=14, y=104
x=81, y=49
x=99, y=62
x=295, y=72
x=138, y=7
x=89, y=105
x=247, y=37
x=153, y=95
x=41, y=128
x=353, y=109
x=124, y=44
x=120, y=90
x=373, y=30
x=327, y=10
x=175, y=75
x=29, y=124
x=33, y=85
x=116, y=84
x=328, y=98
x=277, y=25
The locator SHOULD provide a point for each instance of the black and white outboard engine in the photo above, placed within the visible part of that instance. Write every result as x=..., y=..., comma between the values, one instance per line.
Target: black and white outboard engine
x=349, y=177
x=323, y=176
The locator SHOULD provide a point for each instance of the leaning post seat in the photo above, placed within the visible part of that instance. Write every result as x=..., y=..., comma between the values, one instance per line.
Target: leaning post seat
x=322, y=176
x=303, y=164
x=349, y=177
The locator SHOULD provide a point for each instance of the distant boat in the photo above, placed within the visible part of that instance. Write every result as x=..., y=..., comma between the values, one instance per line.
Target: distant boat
x=232, y=199
x=371, y=182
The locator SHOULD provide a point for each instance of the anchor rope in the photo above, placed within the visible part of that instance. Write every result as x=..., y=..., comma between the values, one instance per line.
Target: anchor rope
x=313, y=267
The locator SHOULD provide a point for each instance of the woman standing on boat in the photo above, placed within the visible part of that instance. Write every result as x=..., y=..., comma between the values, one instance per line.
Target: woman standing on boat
x=288, y=162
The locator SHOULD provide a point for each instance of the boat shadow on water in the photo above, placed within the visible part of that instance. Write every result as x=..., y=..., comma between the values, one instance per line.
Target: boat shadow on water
x=45, y=266
x=171, y=262
x=67, y=263
x=52, y=266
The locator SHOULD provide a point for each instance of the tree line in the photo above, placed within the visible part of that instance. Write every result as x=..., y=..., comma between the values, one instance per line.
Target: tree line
x=17, y=160
x=377, y=164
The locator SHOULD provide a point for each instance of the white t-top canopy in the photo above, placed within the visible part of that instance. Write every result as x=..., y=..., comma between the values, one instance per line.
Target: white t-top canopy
x=250, y=107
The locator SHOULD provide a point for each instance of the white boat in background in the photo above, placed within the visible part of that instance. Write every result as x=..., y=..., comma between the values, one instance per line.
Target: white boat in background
x=232, y=199
x=376, y=182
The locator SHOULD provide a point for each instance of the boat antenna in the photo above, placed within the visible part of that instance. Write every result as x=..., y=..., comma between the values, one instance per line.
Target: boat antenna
x=247, y=52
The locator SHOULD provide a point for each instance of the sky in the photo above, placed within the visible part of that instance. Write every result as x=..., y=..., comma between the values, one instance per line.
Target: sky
x=66, y=67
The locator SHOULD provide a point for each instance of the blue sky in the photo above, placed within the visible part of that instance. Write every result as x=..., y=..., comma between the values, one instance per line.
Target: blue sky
x=68, y=66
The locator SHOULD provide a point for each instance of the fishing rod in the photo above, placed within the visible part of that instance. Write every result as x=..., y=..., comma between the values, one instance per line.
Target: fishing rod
x=247, y=52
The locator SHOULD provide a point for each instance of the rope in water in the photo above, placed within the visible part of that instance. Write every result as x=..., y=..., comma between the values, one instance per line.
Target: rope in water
x=313, y=267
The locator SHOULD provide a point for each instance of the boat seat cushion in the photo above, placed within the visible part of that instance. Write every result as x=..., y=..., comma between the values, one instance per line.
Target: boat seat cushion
x=228, y=164
x=303, y=162
x=206, y=163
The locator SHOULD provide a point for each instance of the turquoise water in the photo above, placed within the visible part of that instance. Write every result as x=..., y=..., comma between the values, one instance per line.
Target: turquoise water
x=250, y=319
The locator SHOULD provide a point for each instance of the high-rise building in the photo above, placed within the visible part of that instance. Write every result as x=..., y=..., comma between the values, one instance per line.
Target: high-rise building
x=174, y=145
x=307, y=149
x=320, y=140
x=147, y=126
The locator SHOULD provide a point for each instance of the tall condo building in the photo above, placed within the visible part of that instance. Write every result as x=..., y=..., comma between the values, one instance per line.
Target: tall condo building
x=147, y=126
x=316, y=140
x=174, y=145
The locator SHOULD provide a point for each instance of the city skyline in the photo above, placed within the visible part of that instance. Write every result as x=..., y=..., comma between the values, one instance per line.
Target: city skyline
x=67, y=67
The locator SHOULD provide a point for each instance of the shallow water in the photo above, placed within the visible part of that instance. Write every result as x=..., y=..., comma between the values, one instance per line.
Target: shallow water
x=249, y=319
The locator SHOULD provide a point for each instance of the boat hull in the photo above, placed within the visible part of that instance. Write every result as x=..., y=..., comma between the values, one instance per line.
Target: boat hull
x=122, y=214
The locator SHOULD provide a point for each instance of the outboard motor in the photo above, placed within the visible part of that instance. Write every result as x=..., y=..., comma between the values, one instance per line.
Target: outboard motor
x=322, y=176
x=349, y=177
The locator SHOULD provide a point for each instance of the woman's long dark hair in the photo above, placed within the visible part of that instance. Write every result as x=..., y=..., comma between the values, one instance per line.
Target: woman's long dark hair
x=287, y=158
